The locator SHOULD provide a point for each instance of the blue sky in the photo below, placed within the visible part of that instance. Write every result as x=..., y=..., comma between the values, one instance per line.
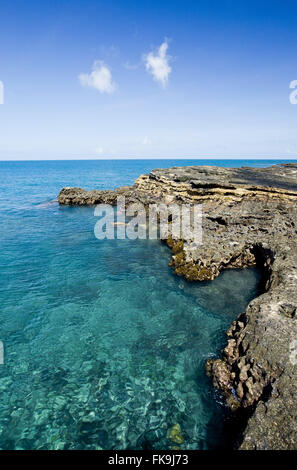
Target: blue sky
x=121, y=78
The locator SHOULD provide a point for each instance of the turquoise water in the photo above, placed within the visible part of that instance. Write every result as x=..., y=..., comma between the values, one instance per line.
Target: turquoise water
x=104, y=346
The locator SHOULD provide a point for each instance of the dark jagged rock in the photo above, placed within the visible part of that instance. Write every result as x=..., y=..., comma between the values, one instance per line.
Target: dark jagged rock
x=249, y=217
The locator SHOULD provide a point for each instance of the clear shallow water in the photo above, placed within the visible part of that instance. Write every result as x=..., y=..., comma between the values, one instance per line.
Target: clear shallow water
x=104, y=346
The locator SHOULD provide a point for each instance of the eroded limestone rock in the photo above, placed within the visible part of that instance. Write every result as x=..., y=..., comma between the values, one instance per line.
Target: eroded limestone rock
x=249, y=217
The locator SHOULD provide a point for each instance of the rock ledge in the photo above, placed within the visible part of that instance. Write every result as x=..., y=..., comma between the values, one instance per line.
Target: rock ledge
x=249, y=217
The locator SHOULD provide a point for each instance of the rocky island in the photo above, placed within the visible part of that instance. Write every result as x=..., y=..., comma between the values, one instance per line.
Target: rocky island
x=249, y=218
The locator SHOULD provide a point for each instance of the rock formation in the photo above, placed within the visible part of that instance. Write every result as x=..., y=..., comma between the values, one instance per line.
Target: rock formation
x=249, y=217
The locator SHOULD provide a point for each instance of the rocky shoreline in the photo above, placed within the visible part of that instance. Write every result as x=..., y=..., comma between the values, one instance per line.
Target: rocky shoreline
x=249, y=217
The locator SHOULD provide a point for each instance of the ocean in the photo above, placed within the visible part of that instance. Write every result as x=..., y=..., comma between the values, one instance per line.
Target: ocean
x=104, y=347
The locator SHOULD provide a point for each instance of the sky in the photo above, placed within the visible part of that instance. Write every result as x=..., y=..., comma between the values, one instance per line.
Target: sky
x=96, y=79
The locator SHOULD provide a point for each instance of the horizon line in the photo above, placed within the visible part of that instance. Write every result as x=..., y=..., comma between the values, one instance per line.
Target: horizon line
x=148, y=158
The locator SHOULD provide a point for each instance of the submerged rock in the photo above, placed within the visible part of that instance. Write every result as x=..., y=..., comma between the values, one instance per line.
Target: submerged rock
x=175, y=434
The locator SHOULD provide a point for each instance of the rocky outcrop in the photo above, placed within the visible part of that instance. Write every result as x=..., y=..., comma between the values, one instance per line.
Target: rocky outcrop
x=249, y=217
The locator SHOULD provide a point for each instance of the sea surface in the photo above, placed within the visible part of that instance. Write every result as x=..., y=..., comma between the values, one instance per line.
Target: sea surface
x=104, y=348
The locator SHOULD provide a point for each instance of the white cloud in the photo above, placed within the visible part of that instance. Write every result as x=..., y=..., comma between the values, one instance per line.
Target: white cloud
x=158, y=64
x=100, y=78
x=146, y=141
